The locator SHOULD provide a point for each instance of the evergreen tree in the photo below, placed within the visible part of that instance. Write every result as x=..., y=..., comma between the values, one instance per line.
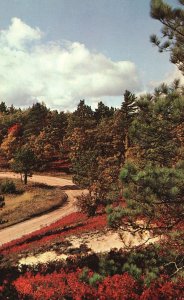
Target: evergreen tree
x=83, y=156
x=3, y=107
x=97, y=155
x=103, y=111
x=128, y=109
x=154, y=130
x=56, y=128
x=153, y=184
x=110, y=148
x=82, y=117
x=154, y=192
x=172, y=30
x=35, y=119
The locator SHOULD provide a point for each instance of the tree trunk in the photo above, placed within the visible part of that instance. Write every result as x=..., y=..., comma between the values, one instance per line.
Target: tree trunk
x=25, y=178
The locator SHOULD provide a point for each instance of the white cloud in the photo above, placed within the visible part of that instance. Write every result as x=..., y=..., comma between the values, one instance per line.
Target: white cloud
x=59, y=75
x=19, y=33
x=168, y=78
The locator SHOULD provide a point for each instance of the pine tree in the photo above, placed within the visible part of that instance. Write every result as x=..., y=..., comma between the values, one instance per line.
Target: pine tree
x=3, y=107
x=128, y=110
x=82, y=117
x=35, y=119
x=156, y=194
x=153, y=184
x=172, y=30
x=97, y=150
x=154, y=130
x=103, y=111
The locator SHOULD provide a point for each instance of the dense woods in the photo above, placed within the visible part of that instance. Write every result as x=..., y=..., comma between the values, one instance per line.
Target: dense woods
x=143, y=139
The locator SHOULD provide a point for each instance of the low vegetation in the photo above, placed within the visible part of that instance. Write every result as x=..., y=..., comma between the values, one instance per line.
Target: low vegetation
x=24, y=202
x=144, y=273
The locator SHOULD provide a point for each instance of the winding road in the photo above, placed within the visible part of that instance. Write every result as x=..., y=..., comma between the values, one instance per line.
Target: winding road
x=23, y=228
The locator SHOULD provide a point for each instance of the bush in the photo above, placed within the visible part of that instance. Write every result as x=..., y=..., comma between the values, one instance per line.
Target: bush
x=95, y=279
x=87, y=204
x=8, y=187
x=1, y=201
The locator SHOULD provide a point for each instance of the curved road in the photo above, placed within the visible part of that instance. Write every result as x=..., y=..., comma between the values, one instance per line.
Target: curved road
x=23, y=228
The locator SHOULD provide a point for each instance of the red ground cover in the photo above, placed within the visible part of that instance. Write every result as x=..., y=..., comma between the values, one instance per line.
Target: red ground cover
x=117, y=287
x=59, y=285
x=77, y=223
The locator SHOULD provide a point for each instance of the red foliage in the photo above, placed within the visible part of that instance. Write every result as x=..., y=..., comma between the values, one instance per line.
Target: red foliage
x=15, y=129
x=118, y=287
x=54, y=286
x=163, y=288
x=86, y=225
x=60, y=164
x=59, y=285
x=1, y=288
x=66, y=221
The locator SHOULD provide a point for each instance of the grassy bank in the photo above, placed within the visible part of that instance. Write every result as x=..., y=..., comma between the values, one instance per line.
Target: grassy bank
x=29, y=201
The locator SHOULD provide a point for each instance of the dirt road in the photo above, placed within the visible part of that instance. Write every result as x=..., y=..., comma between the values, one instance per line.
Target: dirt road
x=23, y=228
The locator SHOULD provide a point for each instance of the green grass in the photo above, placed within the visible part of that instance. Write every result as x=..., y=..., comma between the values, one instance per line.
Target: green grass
x=29, y=201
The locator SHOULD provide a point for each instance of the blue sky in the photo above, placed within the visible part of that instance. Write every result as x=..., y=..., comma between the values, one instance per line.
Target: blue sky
x=92, y=49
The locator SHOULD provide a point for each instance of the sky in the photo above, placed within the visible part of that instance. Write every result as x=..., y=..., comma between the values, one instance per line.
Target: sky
x=62, y=51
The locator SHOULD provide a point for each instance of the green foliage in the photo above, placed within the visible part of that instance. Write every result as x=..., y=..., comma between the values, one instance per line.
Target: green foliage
x=82, y=117
x=8, y=187
x=151, y=276
x=133, y=270
x=114, y=216
x=128, y=172
x=154, y=129
x=128, y=110
x=84, y=276
x=108, y=266
x=36, y=119
x=95, y=279
x=3, y=107
x=97, y=154
x=24, y=162
x=144, y=264
x=152, y=191
x=172, y=30
x=103, y=112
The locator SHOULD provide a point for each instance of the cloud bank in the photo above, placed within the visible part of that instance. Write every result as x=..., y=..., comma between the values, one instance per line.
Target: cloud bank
x=59, y=74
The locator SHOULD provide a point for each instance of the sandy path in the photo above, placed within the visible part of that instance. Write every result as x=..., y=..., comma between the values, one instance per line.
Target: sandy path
x=23, y=228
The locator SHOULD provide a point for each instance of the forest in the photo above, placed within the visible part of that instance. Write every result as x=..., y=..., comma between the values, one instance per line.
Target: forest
x=131, y=162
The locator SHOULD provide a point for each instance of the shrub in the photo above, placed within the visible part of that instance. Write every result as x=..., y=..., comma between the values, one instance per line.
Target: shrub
x=87, y=204
x=95, y=279
x=165, y=289
x=118, y=287
x=1, y=201
x=108, y=266
x=8, y=187
x=54, y=286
